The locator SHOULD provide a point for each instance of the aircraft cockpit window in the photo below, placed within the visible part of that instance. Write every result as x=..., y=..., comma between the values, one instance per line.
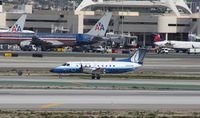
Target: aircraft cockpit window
x=66, y=64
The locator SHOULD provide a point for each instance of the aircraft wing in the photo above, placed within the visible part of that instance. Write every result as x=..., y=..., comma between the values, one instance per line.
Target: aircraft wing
x=42, y=42
x=99, y=70
x=169, y=44
x=55, y=43
x=91, y=70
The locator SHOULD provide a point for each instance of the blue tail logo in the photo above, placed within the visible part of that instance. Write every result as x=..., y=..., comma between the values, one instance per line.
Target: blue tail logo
x=137, y=57
x=99, y=26
x=16, y=28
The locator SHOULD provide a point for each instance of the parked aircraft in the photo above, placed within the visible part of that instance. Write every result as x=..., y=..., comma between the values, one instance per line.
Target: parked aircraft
x=61, y=40
x=48, y=40
x=18, y=26
x=16, y=33
x=97, y=68
x=177, y=45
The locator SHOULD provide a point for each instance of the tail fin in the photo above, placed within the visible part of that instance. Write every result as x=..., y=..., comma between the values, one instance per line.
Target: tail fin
x=138, y=56
x=101, y=26
x=19, y=25
x=156, y=38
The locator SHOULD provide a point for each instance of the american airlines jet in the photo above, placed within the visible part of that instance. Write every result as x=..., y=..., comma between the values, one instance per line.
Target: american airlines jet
x=48, y=41
x=93, y=36
x=18, y=26
x=97, y=68
x=53, y=40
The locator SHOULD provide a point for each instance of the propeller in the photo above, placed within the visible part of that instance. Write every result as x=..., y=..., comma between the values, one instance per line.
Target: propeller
x=81, y=68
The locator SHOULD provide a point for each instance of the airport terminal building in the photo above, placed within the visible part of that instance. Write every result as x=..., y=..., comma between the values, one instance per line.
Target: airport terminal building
x=171, y=18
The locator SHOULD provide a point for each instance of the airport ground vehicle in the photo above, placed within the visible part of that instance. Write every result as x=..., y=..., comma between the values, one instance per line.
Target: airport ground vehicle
x=85, y=48
x=99, y=49
x=165, y=50
x=30, y=48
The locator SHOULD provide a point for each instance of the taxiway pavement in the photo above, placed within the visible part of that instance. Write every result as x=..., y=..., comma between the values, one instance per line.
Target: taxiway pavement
x=99, y=99
x=166, y=65
x=15, y=79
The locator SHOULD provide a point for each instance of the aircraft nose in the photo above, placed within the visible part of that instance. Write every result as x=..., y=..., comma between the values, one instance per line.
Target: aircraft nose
x=56, y=70
x=52, y=70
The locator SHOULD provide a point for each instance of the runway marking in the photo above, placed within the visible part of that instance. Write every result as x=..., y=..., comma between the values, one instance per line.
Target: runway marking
x=50, y=105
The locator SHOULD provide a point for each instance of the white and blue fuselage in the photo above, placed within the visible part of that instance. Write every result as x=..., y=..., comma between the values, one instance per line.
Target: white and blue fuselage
x=97, y=68
x=107, y=67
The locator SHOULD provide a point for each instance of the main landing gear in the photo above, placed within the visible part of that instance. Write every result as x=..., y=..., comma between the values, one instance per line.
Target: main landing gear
x=96, y=76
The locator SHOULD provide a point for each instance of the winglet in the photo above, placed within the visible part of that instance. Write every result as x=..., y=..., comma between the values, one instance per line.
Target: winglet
x=19, y=25
x=101, y=26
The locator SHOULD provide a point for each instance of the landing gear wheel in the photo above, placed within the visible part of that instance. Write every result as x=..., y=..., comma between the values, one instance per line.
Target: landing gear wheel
x=98, y=77
x=93, y=76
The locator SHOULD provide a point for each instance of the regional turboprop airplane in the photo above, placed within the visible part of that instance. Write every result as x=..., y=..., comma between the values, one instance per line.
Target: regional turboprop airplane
x=97, y=68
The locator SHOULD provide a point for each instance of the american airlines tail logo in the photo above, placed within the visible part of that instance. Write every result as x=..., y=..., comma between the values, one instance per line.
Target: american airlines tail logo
x=99, y=26
x=16, y=28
